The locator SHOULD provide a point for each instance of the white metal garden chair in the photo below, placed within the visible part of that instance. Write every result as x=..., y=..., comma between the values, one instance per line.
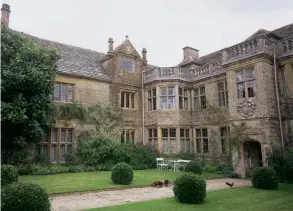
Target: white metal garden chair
x=161, y=164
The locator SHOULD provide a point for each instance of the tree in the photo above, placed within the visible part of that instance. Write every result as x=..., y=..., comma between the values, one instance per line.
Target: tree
x=101, y=119
x=28, y=72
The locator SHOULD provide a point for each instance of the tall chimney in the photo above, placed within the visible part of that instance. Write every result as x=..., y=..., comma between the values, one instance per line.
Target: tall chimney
x=144, y=56
x=110, y=42
x=5, y=13
x=188, y=51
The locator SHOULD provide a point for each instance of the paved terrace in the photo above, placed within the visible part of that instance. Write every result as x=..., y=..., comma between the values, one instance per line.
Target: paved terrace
x=81, y=201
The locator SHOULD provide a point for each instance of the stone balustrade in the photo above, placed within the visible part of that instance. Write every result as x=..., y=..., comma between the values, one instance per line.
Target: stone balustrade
x=184, y=74
x=286, y=47
x=257, y=45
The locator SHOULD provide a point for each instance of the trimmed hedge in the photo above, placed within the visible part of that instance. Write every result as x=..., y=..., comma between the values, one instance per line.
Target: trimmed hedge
x=9, y=175
x=122, y=173
x=264, y=178
x=24, y=197
x=193, y=167
x=190, y=188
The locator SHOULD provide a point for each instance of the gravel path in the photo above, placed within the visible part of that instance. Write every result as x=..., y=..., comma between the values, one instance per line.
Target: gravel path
x=81, y=201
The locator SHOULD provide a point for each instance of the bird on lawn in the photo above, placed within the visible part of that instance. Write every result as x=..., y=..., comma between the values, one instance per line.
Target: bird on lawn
x=167, y=182
x=230, y=184
x=157, y=184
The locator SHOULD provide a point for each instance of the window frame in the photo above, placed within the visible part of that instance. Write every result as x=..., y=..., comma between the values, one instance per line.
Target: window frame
x=153, y=138
x=224, y=93
x=55, y=137
x=225, y=139
x=130, y=133
x=185, y=138
x=126, y=64
x=199, y=141
x=169, y=138
x=198, y=97
x=68, y=86
x=168, y=97
x=152, y=99
x=127, y=98
x=245, y=81
x=183, y=98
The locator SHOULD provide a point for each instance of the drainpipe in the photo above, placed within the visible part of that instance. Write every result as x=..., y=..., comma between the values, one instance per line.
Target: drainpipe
x=142, y=95
x=286, y=102
x=278, y=100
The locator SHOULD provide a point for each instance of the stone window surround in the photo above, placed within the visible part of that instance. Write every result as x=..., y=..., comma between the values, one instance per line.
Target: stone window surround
x=185, y=138
x=123, y=60
x=223, y=92
x=67, y=85
x=183, y=93
x=170, y=137
x=158, y=97
x=131, y=134
x=153, y=137
x=131, y=98
x=168, y=97
x=224, y=138
x=47, y=143
x=245, y=81
x=200, y=141
x=200, y=97
x=152, y=99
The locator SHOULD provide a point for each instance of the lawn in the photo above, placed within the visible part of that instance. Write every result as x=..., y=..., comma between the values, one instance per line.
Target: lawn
x=234, y=199
x=72, y=182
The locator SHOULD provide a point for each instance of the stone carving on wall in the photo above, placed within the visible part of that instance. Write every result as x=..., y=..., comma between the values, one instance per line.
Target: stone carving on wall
x=246, y=108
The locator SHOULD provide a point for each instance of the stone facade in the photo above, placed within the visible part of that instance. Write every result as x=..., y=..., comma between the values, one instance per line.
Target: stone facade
x=170, y=107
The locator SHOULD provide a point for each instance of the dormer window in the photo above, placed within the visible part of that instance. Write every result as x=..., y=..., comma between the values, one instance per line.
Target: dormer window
x=126, y=64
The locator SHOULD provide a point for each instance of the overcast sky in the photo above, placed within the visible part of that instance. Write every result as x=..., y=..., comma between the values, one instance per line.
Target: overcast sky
x=163, y=27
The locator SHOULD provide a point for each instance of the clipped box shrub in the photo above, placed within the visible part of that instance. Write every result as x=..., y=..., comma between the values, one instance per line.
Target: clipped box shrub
x=193, y=167
x=122, y=173
x=190, y=188
x=288, y=159
x=210, y=168
x=24, y=197
x=8, y=175
x=76, y=168
x=264, y=178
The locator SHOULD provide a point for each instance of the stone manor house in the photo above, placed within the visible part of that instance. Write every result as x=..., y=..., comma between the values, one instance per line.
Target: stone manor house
x=167, y=107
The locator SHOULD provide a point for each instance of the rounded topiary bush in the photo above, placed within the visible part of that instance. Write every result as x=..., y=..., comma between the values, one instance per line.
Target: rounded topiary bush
x=122, y=173
x=8, y=175
x=264, y=178
x=190, y=188
x=193, y=167
x=25, y=197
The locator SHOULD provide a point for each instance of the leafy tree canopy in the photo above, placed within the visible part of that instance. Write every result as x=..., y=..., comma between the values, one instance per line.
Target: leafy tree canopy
x=27, y=71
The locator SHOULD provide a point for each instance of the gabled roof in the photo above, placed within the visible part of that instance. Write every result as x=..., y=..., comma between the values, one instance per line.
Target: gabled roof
x=76, y=61
x=212, y=57
x=189, y=60
x=282, y=32
x=127, y=48
x=258, y=33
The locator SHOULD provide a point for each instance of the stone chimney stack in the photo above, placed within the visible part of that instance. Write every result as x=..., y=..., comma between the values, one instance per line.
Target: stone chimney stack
x=188, y=51
x=144, y=56
x=110, y=42
x=5, y=13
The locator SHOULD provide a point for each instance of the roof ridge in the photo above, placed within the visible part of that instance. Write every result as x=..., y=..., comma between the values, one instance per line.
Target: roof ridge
x=47, y=40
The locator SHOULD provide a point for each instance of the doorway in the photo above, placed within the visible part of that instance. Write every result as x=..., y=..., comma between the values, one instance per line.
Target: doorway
x=252, y=156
